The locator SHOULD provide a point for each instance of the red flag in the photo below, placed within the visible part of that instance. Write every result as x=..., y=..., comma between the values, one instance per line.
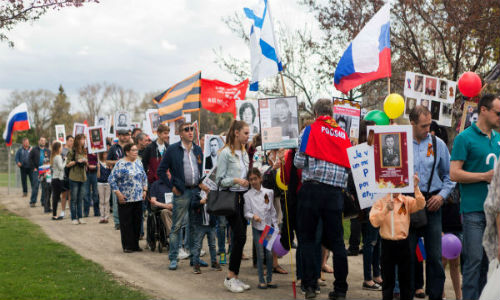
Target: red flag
x=219, y=97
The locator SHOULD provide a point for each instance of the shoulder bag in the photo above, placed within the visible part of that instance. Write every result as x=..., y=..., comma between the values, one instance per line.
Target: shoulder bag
x=222, y=202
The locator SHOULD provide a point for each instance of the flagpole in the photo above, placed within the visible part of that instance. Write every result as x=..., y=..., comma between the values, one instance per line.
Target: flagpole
x=8, y=169
x=283, y=83
x=388, y=85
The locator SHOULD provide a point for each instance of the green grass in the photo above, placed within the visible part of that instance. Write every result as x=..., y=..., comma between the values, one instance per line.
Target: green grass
x=4, y=180
x=34, y=267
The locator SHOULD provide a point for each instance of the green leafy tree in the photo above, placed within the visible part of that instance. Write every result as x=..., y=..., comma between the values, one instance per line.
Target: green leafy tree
x=60, y=112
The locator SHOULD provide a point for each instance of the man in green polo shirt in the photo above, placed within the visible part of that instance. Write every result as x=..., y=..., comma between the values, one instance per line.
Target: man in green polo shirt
x=471, y=169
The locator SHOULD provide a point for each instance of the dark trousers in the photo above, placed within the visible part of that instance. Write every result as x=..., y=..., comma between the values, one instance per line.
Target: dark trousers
x=395, y=253
x=355, y=237
x=130, y=224
x=239, y=236
x=323, y=202
x=25, y=174
x=57, y=189
x=46, y=193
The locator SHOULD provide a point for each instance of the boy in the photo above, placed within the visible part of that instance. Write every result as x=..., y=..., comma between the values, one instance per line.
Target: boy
x=393, y=218
x=203, y=224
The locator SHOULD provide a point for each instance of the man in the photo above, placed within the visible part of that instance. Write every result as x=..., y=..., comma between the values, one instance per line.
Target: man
x=284, y=119
x=39, y=156
x=158, y=192
x=439, y=189
x=211, y=160
x=154, y=152
x=390, y=154
x=473, y=173
x=135, y=132
x=324, y=175
x=122, y=120
x=142, y=140
x=116, y=153
x=183, y=160
x=22, y=161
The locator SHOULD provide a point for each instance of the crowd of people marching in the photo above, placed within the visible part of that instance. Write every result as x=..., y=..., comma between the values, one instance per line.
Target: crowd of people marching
x=456, y=192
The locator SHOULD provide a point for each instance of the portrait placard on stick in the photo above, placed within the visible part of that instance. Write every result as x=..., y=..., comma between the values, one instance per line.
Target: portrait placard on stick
x=469, y=116
x=122, y=120
x=96, y=139
x=279, y=122
x=79, y=128
x=347, y=115
x=213, y=143
x=103, y=121
x=61, y=133
x=153, y=119
x=359, y=157
x=392, y=159
x=248, y=111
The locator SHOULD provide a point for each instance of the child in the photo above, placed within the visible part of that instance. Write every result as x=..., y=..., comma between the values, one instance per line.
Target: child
x=393, y=218
x=203, y=224
x=260, y=209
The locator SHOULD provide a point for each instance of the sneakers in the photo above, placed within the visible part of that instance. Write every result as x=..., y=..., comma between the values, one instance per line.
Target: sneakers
x=310, y=293
x=75, y=222
x=216, y=266
x=173, y=265
x=196, y=269
x=222, y=258
x=202, y=253
x=233, y=286
x=201, y=262
x=245, y=286
x=82, y=221
x=183, y=254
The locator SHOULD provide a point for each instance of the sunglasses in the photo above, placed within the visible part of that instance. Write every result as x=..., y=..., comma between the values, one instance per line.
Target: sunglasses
x=496, y=112
x=188, y=128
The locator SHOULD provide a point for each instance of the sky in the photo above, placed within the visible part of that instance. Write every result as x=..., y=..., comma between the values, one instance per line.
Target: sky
x=141, y=45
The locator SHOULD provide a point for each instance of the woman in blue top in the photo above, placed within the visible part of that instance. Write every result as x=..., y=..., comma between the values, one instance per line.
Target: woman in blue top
x=232, y=169
x=128, y=181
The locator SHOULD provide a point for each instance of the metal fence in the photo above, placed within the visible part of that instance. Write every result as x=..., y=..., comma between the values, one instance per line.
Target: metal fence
x=14, y=175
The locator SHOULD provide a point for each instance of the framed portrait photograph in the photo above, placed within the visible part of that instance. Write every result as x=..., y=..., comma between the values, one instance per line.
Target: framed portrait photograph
x=79, y=128
x=212, y=145
x=410, y=105
x=103, y=121
x=248, y=111
x=469, y=116
x=391, y=159
x=430, y=86
x=96, y=139
x=446, y=114
x=122, y=120
x=435, y=109
x=419, y=83
x=279, y=122
x=347, y=114
x=153, y=119
x=61, y=133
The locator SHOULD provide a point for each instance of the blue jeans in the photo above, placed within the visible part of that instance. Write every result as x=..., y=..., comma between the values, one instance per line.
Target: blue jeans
x=179, y=213
x=322, y=202
x=91, y=195
x=260, y=258
x=34, y=187
x=434, y=272
x=77, y=194
x=475, y=260
x=371, y=251
x=199, y=233
x=114, y=199
x=221, y=234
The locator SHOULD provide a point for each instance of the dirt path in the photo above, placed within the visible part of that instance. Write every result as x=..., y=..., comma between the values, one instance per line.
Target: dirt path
x=149, y=271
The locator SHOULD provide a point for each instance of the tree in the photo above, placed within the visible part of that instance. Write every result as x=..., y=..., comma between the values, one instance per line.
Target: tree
x=60, y=112
x=13, y=12
x=299, y=52
x=93, y=97
x=121, y=98
x=442, y=38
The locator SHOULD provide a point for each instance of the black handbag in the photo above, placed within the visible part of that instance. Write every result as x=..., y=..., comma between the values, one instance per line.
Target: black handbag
x=222, y=202
x=419, y=218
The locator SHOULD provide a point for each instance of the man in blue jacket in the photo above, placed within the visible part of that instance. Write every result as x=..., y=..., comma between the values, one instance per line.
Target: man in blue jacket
x=23, y=162
x=183, y=163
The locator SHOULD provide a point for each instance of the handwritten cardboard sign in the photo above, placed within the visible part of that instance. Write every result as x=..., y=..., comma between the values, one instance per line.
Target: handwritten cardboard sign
x=359, y=160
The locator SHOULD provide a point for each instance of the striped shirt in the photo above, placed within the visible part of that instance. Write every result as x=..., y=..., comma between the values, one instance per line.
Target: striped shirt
x=319, y=170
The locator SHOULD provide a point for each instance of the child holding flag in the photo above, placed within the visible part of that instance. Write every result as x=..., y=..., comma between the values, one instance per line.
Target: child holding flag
x=260, y=210
x=393, y=218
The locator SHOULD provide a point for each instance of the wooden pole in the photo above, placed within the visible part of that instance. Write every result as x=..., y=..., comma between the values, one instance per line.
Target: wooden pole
x=388, y=85
x=8, y=170
x=283, y=83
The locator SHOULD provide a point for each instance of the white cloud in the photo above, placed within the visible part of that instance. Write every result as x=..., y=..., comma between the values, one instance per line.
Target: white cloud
x=142, y=45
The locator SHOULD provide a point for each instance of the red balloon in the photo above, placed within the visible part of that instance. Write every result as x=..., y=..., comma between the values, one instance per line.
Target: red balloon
x=469, y=84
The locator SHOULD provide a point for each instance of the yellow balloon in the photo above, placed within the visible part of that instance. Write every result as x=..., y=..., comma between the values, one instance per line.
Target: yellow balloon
x=280, y=183
x=394, y=106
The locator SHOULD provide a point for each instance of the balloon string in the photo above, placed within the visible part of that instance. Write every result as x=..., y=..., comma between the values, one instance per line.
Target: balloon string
x=289, y=240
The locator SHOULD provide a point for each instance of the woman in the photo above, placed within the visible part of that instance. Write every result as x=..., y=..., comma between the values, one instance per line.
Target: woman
x=57, y=165
x=232, y=169
x=129, y=183
x=103, y=172
x=76, y=161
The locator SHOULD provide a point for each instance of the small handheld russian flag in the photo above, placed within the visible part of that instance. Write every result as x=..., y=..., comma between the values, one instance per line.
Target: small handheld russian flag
x=268, y=237
x=420, y=250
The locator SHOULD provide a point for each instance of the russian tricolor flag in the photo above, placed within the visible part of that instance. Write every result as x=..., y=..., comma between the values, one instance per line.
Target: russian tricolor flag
x=17, y=121
x=268, y=237
x=368, y=57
